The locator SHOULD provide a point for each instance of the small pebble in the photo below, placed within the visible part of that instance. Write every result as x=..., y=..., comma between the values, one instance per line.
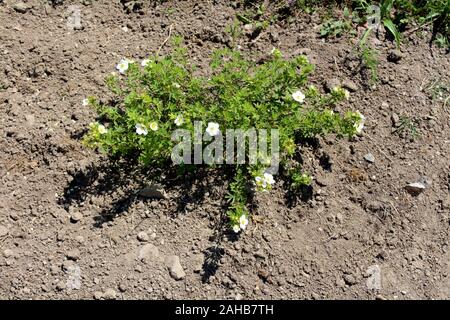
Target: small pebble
x=143, y=236
x=369, y=157
x=75, y=217
x=21, y=7
x=3, y=231
x=109, y=294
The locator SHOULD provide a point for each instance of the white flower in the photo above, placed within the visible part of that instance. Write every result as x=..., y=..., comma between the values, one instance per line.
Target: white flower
x=179, y=120
x=154, y=126
x=265, y=181
x=340, y=90
x=101, y=129
x=145, y=62
x=213, y=129
x=122, y=66
x=236, y=228
x=261, y=182
x=298, y=96
x=359, y=125
x=243, y=222
x=268, y=178
x=177, y=85
x=85, y=102
x=141, y=129
x=346, y=94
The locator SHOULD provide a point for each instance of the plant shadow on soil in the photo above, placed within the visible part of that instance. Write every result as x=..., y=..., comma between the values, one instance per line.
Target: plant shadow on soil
x=117, y=179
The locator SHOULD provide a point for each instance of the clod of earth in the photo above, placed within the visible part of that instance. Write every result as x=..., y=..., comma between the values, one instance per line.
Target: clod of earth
x=149, y=253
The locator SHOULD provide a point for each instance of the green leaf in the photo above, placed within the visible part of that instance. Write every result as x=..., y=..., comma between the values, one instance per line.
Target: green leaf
x=393, y=30
x=365, y=36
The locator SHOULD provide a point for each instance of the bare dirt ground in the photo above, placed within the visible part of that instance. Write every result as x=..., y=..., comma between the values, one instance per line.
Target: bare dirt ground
x=72, y=228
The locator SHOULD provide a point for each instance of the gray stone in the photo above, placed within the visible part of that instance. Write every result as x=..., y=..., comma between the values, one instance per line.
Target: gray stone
x=415, y=188
x=418, y=186
x=395, y=56
x=369, y=157
x=153, y=191
x=21, y=7
x=76, y=216
x=175, y=269
x=143, y=236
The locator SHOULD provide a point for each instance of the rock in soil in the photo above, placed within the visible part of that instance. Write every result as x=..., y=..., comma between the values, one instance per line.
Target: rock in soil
x=21, y=7
x=369, y=157
x=143, y=236
x=419, y=186
x=415, y=188
x=3, y=231
x=76, y=216
x=175, y=269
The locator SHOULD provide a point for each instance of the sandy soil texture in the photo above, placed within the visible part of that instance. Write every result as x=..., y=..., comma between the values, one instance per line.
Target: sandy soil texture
x=71, y=226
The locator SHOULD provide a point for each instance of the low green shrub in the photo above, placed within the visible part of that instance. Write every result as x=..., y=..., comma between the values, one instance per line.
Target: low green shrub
x=160, y=95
